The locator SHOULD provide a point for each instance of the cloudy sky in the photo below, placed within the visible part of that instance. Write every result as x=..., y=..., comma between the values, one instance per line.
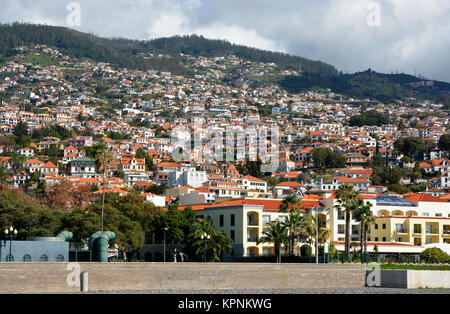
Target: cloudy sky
x=410, y=36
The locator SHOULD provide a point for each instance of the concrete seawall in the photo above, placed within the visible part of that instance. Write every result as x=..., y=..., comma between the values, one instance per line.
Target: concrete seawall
x=414, y=279
x=54, y=277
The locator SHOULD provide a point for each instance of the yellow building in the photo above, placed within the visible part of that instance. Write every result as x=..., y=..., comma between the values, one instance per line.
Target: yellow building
x=244, y=220
x=412, y=230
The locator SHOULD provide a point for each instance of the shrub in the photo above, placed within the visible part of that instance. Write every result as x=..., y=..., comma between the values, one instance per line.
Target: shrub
x=434, y=255
x=305, y=250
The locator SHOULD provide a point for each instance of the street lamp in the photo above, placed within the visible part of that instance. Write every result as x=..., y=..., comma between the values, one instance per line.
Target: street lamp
x=317, y=236
x=164, y=256
x=205, y=237
x=11, y=234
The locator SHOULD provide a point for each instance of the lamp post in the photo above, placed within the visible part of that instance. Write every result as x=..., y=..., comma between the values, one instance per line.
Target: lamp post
x=11, y=234
x=317, y=236
x=164, y=255
x=205, y=237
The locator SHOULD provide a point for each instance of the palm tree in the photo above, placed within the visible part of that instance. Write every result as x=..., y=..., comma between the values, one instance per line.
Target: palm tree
x=276, y=233
x=346, y=201
x=103, y=160
x=358, y=214
x=311, y=228
x=363, y=214
x=289, y=204
x=217, y=244
x=295, y=224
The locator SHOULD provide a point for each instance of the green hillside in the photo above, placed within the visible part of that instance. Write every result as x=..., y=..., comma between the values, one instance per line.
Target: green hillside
x=126, y=53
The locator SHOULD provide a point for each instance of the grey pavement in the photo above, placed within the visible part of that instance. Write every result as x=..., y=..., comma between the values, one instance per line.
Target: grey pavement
x=366, y=290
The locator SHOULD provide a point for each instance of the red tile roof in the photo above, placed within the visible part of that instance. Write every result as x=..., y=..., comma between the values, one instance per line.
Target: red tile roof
x=423, y=197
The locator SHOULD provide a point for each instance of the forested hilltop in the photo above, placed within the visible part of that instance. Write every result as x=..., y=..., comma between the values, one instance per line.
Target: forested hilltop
x=146, y=55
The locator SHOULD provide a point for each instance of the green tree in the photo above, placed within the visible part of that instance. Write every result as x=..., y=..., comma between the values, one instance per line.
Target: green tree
x=217, y=244
x=369, y=118
x=129, y=233
x=276, y=233
x=363, y=215
x=21, y=129
x=142, y=154
x=290, y=204
x=346, y=201
x=103, y=160
x=409, y=146
x=81, y=223
x=435, y=255
x=178, y=222
x=295, y=224
x=16, y=209
x=444, y=143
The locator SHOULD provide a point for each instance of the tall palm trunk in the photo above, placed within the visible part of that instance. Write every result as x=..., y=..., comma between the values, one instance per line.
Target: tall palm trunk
x=347, y=234
x=365, y=238
x=103, y=196
x=277, y=252
x=294, y=244
x=361, y=239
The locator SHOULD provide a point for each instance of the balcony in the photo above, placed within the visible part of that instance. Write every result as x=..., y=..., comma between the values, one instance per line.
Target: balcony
x=253, y=219
x=252, y=239
x=400, y=231
x=446, y=233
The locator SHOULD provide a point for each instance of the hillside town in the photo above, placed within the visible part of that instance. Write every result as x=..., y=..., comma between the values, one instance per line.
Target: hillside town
x=58, y=112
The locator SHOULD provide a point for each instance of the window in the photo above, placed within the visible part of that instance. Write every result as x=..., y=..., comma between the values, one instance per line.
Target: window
x=232, y=235
x=9, y=258
x=376, y=226
x=43, y=258
x=59, y=258
x=384, y=226
x=232, y=220
x=438, y=215
x=266, y=219
x=384, y=239
x=341, y=215
x=221, y=220
x=27, y=258
x=376, y=239
x=426, y=214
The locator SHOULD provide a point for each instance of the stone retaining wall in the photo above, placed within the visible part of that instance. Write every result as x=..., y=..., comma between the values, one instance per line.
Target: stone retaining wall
x=54, y=277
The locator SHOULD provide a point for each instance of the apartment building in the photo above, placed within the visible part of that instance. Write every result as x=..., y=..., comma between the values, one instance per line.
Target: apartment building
x=244, y=220
x=417, y=222
x=188, y=177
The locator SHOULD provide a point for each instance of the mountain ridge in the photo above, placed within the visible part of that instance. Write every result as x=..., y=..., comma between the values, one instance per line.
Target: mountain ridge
x=125, y=53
